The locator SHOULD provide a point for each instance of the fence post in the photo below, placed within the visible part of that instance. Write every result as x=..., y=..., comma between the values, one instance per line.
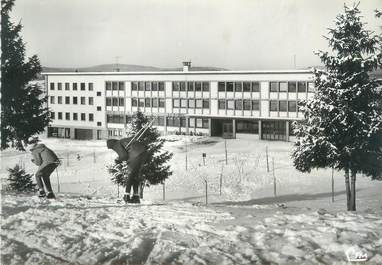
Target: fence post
x=266, y=154
x=225, y=149
x=221, y=183
x=94, y=157
x=58, y=182
x=332, y=185
x=274, y=178
x=67, y=159
x=206, y=193
x=117, y=190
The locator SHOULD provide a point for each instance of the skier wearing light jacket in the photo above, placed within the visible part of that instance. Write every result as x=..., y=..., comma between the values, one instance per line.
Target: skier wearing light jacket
x=135, y=156
x=47, y=161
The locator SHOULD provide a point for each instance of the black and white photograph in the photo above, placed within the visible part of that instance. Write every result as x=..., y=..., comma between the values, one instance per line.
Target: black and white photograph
x=191, y=132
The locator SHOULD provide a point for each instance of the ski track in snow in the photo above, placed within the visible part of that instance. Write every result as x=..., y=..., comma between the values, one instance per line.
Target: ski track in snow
x=77, y=230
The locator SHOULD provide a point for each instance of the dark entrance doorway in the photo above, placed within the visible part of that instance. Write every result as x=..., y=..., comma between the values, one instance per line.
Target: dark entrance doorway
x=83, y=134
x=273, y=130
x=222, y=128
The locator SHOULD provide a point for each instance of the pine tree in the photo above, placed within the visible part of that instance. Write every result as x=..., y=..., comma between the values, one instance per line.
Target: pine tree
x=19, y=180
x=155, y=170
x=342, y=128
x=24, y=112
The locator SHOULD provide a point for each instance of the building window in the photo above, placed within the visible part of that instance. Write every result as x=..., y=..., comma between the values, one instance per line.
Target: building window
x=292, y=106
x=99, y=108
x=291, y=86
x=238, y=87
x=148, y=86
x=221, y=104
x=273, y=105
x=75, y=116
x=51, y=86
x=108, y=102
x=238, y=104
x=90, y=86
x=301, y=86
x=255, y=87
x=282, y=105
x=99, y=94
x=229, y=86
x=230, y=104
x=82, y=86
x=91, y=117
x=91, y=101
x=199, y=103
x=191, y=122
x=161, y=103
x=99, y=123
x=198, y=86
x=255, y=104
x=283, y=86
x=82, y=99
x=52, y=100
x=60, y=115
x=74, y=85
x=134, y=102
x=114, y=102
x=108, y=85
x=67, y=100
x=52, y=116
x=134, y=86
x=121, y=102
x=67, y=86
x=199, y=123
x=83, y=117
x=274, y=87
x=190, y=86
x=221, y=86
x=154, y=86
x=206, y=86
x=311, y=87
x=141, y=102
x=247, y=126
x=247, y=104
x=183, y=103
x=59, y=86
x=175, y=86
x=67, y=116
x=147, y=102
x=175, y=103
x=59, y=100
x=154, y=102
x=191, y=103
x=182, y=86
x=206, y=103
x=114, y=86
x=205, y=123
x=161, y=86
x=141, y=86
x=121, y=86
x=246, y=86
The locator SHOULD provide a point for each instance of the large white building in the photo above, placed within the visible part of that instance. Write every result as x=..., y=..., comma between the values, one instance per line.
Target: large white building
x=99, y=105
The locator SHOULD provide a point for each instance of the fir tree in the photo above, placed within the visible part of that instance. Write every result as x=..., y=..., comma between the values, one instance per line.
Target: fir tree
x=24, y=112
x=19, y=180
x=155, y=170
x=342, y=128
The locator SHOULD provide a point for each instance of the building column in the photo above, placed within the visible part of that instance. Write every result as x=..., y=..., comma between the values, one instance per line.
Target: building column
x=209, y=127
x=234, y=128
x=287, y=130
x=259, y=129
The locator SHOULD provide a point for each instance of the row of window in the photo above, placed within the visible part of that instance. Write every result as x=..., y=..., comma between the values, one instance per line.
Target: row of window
x=245, y=86
x=115, y=85
x=74, y=86
x=300, y=86
x=283, y=105
x=74, y=100
x=116, y=102
x=239, y=104
x=191, y=86
x=191, y=103
x=147, y=86
x=74, y=116
x=148, y=102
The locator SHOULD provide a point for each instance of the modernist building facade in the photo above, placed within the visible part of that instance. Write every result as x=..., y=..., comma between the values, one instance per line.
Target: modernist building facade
x=99, y=105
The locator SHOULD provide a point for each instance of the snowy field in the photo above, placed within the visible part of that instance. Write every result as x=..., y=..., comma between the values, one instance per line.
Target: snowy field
x=244, y=224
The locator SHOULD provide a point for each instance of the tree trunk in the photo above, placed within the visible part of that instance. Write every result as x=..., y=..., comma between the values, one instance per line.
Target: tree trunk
x=352, y=198
x=348, y=191
x=142, y=186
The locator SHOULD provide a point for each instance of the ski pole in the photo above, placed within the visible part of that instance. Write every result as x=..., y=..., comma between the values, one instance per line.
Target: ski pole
x=58, y=182
x=140, y=133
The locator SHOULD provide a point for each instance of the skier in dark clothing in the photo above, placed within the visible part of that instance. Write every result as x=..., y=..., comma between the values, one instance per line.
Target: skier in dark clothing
x=135, y=156
x=47, y=161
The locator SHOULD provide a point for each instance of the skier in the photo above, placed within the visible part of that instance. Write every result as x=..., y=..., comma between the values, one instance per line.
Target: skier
x=135, y=156
x=47, y=161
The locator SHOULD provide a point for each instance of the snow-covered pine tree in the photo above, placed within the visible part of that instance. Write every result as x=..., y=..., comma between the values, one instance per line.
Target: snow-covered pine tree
x=24, y=112
x=155, y=170
x=342, y=128
x=19, y=180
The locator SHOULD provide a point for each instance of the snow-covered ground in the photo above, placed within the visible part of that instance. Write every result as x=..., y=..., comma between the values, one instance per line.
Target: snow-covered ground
x=245, y=224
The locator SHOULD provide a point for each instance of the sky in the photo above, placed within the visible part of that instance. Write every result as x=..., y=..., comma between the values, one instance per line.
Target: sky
x=237, y=35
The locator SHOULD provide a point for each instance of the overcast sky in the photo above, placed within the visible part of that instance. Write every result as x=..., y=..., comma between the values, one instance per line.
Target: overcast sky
x=243, y=34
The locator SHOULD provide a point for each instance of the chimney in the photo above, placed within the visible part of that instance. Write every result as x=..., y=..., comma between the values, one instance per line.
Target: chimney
x=186, y=66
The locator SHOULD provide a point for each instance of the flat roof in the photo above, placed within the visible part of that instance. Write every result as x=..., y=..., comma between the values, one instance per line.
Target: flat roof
x=308, y=71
